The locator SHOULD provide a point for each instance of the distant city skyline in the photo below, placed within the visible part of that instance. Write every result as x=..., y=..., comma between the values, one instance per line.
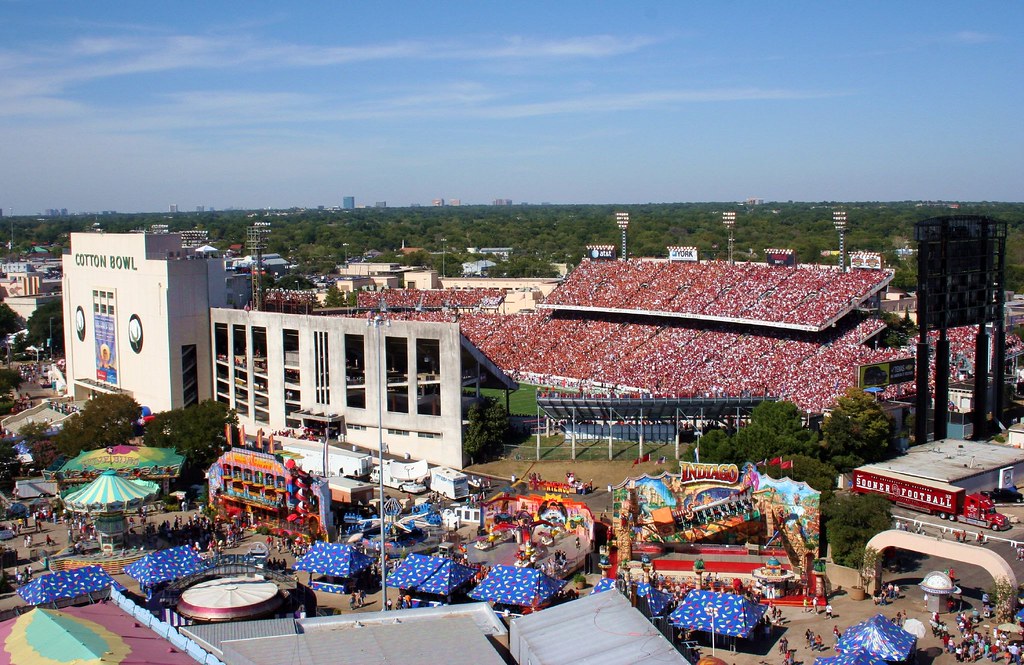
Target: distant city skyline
x=139, y=107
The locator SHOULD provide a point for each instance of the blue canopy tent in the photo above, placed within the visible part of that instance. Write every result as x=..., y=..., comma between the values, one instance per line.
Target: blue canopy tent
x=1020, y=615
x=657, y=600
x=67, y=584
x=165, y=565
x=511, y=585
x=721, y=613
x=878, y=637
x=334, y=560
x=858, y=657
x=606, y=584
x=430, y=574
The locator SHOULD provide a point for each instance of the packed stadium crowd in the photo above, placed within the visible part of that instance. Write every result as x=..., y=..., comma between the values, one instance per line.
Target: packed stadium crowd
x=805, y=295
x=431, y=299
x=660, y=356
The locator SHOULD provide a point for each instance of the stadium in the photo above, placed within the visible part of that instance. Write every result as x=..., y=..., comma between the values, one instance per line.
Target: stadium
x=678, y=345
x=640, y=350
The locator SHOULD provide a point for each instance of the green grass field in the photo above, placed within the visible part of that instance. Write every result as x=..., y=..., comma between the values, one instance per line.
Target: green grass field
x=522, y=402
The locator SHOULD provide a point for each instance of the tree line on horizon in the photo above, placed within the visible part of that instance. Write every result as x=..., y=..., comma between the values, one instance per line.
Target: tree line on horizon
x=542, y=236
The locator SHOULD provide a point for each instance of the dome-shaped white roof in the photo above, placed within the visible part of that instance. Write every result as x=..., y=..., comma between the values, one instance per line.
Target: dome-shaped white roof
x=937, y=582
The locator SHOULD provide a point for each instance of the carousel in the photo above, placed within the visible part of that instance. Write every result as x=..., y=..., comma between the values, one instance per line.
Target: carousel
x=230, y=599
x=105, y=500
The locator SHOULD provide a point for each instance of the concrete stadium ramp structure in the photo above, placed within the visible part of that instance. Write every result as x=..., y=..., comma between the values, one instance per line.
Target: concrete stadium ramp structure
x=997, y=566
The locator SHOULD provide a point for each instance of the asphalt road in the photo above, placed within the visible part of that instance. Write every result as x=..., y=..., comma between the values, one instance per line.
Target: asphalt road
x=973, y=579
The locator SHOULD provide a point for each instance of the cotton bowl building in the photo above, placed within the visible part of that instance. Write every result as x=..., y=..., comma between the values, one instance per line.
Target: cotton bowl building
x=154, y=320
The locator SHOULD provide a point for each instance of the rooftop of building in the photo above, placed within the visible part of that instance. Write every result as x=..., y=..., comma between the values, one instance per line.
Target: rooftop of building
x=951, y=460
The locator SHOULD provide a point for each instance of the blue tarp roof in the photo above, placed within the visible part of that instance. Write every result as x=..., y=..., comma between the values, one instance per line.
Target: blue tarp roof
x=430, y=574
x=165, y=565
x=657, y=600
x=879, y=637
x=859, y=657
x=333, y=559
x=66, y=584
x=517, y=586
x=731, y=614
x=606, y=584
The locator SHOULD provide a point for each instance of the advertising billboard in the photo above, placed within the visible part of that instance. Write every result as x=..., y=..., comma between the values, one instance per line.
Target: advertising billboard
x=879, y=375
x=688, y=254
x=866, y=260
x=780, y=257
x=106, y=348
x=601, y=252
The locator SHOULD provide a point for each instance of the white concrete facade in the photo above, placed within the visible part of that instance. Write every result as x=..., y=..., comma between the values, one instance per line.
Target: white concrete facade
x=136, y=312
x=300, y=372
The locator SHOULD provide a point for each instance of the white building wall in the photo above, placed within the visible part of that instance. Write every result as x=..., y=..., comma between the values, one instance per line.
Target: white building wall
x=437, y=439
x=152, y=278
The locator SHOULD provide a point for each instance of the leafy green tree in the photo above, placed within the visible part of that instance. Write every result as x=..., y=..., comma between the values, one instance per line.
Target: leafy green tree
x=334, y=297
x=775, y=429
x=487, y=429
x=900, y=330
x=10, y=380
x=41, y=446
x=851, y=521
x=39, y=327
x=105, y=420
x=9, y=321
x=294, y=282
x=9, y=462
x=717, y=446
x=197, y=431
x=856, y=432
x=819, y=475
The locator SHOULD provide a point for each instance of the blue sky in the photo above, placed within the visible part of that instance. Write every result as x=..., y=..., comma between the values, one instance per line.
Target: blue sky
x=134, y=106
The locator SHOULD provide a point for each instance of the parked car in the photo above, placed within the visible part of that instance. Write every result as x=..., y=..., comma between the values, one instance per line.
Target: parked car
x=1004, y=495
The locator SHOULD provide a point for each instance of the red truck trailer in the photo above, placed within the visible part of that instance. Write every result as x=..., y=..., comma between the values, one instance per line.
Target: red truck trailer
x=930, y=496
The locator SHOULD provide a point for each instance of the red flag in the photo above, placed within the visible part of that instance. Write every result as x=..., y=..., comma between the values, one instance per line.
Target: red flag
x=775, y=461
x=646, y=458
x=787, y=465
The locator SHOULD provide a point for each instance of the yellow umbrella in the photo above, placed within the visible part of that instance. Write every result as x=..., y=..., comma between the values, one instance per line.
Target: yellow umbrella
x=51, y=637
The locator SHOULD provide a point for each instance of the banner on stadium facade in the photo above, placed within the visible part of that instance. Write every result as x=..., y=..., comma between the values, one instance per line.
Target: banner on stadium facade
x=780, y=257
x=866, y=260
x=106, y=348
x=601, y=252
x=688, y=254
x=879, y=375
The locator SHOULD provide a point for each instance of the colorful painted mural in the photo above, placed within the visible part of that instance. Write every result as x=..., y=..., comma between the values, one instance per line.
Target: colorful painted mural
x=718, y=503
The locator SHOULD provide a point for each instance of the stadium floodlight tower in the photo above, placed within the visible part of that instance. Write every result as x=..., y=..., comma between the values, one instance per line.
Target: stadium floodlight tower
x=839, y=219
x=622, y=219
x=729, y=219
x=256, y=241
x=377, y=321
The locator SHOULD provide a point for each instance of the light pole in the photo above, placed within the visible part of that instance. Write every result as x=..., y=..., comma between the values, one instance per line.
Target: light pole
x=622, y=219
x=377, y=321
x=345, y=245
x=839, y=219
x=713, y=613
x=729, y=219
x=444, y=253
x=49, y=340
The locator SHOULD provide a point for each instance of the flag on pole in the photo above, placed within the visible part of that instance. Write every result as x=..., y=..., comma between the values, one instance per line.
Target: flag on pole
x=775, y=461
x=786, y=465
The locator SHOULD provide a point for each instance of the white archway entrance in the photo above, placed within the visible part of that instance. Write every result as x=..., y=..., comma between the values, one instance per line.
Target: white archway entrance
x=995, y=564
